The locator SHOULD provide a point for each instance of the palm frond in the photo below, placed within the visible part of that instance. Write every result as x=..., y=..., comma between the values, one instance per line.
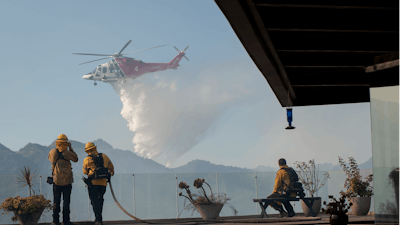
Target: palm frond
x=27, y=178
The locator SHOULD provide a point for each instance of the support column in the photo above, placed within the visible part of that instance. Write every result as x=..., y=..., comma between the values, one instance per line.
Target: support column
x=385, y=153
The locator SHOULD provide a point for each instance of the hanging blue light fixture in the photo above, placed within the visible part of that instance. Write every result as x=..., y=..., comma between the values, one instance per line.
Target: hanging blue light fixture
x=289, y=118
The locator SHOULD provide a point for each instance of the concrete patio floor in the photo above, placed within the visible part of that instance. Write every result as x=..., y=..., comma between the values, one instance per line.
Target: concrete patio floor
x=239, y=220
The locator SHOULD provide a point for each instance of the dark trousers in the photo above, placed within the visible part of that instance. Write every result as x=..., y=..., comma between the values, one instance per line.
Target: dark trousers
x=276, y=206
x=96, y=193
x=65, y=191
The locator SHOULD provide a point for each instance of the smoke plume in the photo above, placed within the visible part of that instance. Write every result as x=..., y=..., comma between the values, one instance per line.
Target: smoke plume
x=169, y=117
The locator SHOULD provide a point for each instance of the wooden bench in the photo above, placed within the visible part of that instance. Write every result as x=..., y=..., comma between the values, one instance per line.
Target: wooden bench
x=265, y=202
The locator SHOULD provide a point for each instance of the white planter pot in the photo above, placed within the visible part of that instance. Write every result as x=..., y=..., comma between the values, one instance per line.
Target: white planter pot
x=316, y=206
x=209, y=212
x=360, y=205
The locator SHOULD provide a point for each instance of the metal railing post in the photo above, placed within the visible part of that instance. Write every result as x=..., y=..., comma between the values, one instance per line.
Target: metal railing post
x=88, y=205
x=216, y=175
x=176, y=187
x=256, y=192
x=120, y=185
x=40, y=191
x=134, y=206
x=40, y=187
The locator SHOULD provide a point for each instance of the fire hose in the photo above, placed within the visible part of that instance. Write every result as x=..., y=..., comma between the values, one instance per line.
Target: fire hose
x=116, y=201
x=198, y=222
x=88, y=183
x=143, y=221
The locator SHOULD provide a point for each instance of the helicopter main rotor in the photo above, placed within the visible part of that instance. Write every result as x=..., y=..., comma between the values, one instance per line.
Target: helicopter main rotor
x=115, y=55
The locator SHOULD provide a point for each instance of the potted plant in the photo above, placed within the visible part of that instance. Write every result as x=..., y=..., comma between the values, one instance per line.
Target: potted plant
x=395, y=178
x=358, y=191
x=209, y=206
x=29, y=209
x=337, y=210
x=308, y=176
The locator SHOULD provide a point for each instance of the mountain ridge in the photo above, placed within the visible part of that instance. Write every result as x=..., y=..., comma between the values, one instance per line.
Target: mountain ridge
x=125, y=161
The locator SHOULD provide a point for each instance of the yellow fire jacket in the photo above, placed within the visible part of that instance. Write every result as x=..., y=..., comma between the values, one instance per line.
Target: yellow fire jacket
x=62, y=170
x=282, y=177
x=89, y=166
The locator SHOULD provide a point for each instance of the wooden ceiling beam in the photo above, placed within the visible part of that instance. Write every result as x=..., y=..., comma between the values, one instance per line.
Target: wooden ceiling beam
x=330, y=51
x=382, y=66
x=323, y=67
x=326, y=6
x=329, y=85
x=332, y=30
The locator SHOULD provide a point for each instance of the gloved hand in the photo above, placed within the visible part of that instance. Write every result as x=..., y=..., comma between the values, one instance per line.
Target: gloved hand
x=87, y=181
x=69, y=146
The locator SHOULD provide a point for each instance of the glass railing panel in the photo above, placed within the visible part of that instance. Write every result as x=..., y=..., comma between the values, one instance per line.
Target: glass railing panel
x=79, y=205
x=241, y=188
x=265, y=186
x=154, y=196
x=9, y=188
x=123, y=189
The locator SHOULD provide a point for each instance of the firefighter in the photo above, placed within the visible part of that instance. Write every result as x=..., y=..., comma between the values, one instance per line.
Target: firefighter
x=60, y=158
x=96, y=186
x=282, y=180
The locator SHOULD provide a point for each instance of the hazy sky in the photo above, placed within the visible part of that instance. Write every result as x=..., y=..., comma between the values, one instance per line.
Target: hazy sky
x=216, y=107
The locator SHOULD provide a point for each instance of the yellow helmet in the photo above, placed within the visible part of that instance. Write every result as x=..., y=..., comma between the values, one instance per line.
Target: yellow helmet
x=89, y=146
x=62, y=138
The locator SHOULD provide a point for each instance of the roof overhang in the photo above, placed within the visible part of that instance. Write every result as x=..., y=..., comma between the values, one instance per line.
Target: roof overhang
x=313, y=54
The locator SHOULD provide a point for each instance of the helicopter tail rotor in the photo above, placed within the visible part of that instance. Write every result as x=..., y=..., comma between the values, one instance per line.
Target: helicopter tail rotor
x=183, y=51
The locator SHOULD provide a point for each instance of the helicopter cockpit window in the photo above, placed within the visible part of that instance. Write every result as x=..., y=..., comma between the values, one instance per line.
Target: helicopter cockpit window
x=111, y=69
x=104, y=69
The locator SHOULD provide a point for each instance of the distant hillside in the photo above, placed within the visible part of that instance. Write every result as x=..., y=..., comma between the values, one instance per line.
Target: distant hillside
x=330, y=166
x=201, y=166
x=366, y=165
x=124, y=161
x=127, y=161
x=11, y=162
x=265, y=169
x=38, y=154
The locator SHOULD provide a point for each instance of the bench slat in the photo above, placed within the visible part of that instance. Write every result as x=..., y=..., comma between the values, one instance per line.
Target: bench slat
x=265, y=202
x=275, y=199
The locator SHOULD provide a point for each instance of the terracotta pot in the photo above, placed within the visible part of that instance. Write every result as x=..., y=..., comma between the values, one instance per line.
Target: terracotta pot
x=360, y=205
x=316, y=206
x=338, y=219
x=29, y=218
x=209, y=212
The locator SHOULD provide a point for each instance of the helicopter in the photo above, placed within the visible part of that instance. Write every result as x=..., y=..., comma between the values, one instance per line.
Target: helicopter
x=121, y=67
